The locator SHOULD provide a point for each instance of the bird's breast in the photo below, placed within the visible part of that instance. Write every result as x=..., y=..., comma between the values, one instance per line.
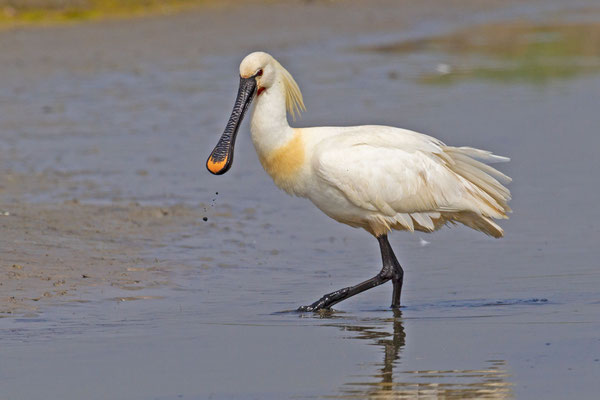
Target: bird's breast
x=285, y=163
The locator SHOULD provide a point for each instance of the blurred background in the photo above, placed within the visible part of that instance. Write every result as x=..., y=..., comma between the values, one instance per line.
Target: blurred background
x=55, y=11
x=129, y=272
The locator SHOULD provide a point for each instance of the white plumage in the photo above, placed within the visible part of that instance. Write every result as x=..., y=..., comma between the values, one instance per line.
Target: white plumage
x=390, y=178
x=378, y=178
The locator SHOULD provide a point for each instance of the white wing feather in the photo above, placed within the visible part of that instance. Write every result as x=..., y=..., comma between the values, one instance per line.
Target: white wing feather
x=410, y=178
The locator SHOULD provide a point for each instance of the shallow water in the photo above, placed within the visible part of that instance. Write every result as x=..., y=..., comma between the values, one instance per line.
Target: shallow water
x=482, y=318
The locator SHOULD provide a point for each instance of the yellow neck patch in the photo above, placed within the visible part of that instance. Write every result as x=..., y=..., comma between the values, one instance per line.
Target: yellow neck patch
x=284, y=162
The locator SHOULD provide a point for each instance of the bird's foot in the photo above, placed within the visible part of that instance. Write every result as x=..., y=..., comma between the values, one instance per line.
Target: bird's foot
x=325, y=302
x=310, y=308
x=318, y=305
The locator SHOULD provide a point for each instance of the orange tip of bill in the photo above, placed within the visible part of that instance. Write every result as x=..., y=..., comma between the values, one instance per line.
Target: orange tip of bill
x=216, y=166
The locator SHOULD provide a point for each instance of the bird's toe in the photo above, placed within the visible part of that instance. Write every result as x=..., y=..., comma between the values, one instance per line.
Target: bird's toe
x=315, y=307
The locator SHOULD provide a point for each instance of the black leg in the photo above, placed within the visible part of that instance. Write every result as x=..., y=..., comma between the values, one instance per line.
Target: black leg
x=391, y=270
x=389, y=258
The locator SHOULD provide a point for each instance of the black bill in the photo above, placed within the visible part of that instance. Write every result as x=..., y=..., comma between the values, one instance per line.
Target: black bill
x=221, y=157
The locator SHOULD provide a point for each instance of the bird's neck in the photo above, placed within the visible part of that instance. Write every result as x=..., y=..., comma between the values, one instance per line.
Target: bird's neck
x=269, y=126
x=280, y=148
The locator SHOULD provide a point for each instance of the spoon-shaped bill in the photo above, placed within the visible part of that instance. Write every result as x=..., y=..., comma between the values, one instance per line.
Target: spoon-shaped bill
x=221, y=157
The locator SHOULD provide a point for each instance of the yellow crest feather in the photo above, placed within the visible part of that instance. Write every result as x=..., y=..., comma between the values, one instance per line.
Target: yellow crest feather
x=293, y=97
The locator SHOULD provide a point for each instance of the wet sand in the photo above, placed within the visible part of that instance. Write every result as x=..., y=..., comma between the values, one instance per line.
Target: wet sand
x=104, y=131
x=54, y=252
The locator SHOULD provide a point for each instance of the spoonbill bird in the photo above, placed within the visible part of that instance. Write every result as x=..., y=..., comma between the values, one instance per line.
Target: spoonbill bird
x=377, y=178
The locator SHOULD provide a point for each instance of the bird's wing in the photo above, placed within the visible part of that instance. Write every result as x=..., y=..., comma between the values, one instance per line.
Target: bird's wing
x=387, y=170
x=403, y=176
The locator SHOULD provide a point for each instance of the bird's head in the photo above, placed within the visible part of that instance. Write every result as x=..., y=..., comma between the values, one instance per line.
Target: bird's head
x=259, y=72
x=261, y=67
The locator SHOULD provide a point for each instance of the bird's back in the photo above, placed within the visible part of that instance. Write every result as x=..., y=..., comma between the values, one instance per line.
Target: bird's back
x=381, y=178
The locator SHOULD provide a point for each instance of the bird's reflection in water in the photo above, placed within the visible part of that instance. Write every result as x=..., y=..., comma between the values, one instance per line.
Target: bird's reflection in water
x=488, y=382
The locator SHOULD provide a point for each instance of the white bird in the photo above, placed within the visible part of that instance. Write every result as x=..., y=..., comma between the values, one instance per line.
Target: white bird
x=378, y=178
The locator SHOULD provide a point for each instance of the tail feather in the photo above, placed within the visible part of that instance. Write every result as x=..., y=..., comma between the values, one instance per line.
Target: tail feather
x=488, y=188
x=493, y=172
x=481, y=175
x=479, y=154
x=480, y=223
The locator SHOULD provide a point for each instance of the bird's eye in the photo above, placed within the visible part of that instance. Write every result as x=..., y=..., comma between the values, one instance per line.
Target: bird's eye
x=259, y=72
